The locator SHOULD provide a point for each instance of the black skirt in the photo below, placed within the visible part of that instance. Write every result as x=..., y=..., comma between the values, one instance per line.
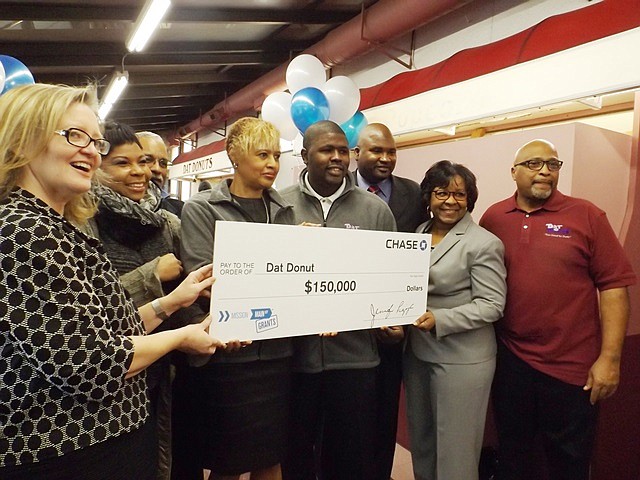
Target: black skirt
x=127, y=456
x=243, y=416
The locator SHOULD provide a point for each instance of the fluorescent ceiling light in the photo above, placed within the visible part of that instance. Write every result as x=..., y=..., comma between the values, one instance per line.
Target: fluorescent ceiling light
x=116, y=87
x=147, y=22
x=114, y=90
x=104, y=110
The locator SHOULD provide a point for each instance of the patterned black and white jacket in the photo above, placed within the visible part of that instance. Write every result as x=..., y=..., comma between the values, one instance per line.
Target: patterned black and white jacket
x=64, y=339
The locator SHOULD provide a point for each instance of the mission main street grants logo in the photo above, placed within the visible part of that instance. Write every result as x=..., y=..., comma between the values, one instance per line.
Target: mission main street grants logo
x=394, y=243
x=225, y=315
x=559, y=231
x=264, y=318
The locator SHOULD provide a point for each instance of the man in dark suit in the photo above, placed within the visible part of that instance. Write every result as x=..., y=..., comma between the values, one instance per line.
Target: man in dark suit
x=376, y=157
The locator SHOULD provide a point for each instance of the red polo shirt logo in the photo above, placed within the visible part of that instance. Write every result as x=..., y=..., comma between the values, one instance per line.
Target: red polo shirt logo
x=557, y=231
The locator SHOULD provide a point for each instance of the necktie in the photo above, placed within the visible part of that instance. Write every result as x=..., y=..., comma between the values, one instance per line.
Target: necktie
x=374, y=189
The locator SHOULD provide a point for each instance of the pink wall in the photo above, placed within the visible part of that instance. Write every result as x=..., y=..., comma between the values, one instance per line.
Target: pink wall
x=617, y=452
x=596, y=164
x=601, y=166
x=630, y=234
x=597, y=167
x=601, y=170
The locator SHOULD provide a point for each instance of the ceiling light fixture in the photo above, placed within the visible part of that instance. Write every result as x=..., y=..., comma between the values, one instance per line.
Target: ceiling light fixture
x=146, y=24
x=114, y=90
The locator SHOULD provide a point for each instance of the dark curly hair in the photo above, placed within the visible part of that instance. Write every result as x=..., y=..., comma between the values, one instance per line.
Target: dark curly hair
x=441, y=173
x=120, y=134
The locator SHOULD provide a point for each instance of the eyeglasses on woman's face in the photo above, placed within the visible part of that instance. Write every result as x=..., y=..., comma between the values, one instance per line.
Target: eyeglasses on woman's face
x=443, y=195
x=80, y=138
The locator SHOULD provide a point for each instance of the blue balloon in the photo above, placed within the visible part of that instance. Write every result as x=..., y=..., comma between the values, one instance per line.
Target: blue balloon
x=15, y=73
x=308, y=106
x=353, y=126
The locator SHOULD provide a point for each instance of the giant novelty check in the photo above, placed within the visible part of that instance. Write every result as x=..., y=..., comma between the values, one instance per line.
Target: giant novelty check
x=279, y=280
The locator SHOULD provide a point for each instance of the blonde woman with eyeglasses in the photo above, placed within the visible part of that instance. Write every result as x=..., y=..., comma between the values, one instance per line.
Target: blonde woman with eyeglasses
x=74, y=349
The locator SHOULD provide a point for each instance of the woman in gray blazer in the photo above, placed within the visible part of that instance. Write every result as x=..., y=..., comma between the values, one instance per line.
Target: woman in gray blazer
x=450, y=353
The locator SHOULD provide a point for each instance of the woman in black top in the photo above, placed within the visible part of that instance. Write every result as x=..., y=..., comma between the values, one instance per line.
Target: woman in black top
x=142, y=241
x=73, y=348
x=243, y=394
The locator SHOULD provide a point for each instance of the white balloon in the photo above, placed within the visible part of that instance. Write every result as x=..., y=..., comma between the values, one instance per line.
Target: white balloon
x=343, y=96
x=305, y=71
x=1, y=77
x=276, y=109
x=297, y=145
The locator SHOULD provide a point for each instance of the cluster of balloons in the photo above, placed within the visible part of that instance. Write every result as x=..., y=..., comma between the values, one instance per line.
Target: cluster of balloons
x=13, y=73
x=312, y=98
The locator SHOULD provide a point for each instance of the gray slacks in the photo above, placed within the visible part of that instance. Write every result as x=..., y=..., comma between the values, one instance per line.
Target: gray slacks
x=446, y=411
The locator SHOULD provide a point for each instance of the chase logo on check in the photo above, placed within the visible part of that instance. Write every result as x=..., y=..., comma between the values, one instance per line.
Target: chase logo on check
x=406, y=244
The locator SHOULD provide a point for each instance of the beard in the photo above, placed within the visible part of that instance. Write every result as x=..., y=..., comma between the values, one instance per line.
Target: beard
x=540, y=194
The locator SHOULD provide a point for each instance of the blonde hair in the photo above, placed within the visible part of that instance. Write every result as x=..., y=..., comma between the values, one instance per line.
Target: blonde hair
x=30, y=114
x=249, y=132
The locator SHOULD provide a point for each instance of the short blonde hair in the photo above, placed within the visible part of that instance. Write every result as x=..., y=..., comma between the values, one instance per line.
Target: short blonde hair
x=249, y=132
x=30, y=114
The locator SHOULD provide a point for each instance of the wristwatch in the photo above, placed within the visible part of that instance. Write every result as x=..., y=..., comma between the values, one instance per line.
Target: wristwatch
x=160, y=313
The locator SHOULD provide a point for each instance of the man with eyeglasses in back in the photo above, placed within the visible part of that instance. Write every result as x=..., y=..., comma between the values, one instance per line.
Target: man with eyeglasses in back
x=154, y=146
x=564, y=324
x=178, y=452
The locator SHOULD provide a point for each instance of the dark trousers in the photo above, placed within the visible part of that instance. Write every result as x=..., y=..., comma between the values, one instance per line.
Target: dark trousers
x=333, y=413
x=531, y=407
x=186, y=463
x=388, y=380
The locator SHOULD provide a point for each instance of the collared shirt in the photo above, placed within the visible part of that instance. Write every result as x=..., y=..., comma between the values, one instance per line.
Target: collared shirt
x=326, y=202
x=558, y=257
x=385, y=186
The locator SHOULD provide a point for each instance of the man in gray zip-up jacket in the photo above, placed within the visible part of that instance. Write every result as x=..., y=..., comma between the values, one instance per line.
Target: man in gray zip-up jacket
x=334, y=383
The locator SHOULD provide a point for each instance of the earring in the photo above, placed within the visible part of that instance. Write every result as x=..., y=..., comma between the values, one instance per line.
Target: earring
x=235, y=165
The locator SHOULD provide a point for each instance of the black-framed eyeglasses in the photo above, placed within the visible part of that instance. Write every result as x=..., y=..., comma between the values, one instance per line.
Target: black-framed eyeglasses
x=80, y=138
x=445, y=194
x=536, y=165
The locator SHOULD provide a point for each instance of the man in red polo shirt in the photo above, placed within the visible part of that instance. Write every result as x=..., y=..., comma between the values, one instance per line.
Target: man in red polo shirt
x=564, y=323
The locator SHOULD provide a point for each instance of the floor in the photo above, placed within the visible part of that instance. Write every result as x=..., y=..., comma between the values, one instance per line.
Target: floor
x=401, y=466
x=402, y=469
